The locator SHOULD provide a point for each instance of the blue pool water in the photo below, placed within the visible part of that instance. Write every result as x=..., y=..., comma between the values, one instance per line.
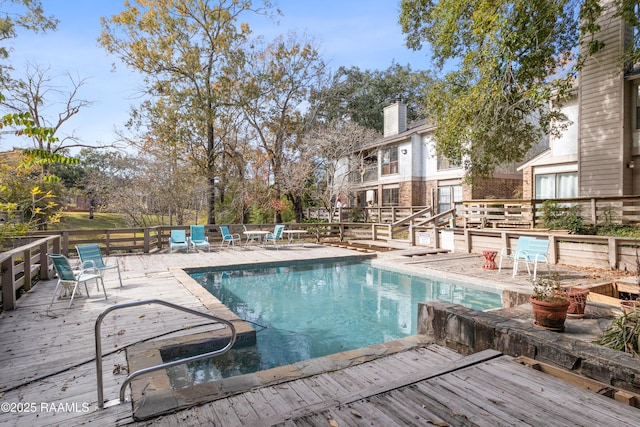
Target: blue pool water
x=311, y=310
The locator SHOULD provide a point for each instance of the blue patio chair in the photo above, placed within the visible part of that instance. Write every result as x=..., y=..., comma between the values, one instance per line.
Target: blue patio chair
x=228, y=237
x=198, y=239
x=178, y=240
x=90, y=256
x=69, y=280
x=275, y=235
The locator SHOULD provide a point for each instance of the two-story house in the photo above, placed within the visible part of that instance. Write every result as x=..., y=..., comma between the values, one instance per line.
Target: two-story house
x=403, y=169
x=599, y=154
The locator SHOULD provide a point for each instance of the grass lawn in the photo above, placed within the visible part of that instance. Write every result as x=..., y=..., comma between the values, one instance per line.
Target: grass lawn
x=81, y=221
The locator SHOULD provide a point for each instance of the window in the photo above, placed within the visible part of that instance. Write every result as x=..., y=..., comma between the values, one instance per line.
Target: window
x=390, y=197
x=447, y=163
x=389, y=161
x=557, y=185
x=447, y=195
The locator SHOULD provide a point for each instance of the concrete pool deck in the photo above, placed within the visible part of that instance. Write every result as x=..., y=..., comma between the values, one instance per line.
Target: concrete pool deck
x=47, y=361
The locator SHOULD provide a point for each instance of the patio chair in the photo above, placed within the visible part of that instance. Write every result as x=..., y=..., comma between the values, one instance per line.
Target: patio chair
x=90, y=256
x=535, y=253
x=275, y=235
x=523, y=245
x=178, y=240
x=198, y=239
x=229, y=238
x=69, y=280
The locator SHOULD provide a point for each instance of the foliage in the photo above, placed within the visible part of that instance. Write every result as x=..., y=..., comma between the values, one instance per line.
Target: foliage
x=32, y=98
x=508, y=60
x=37, y=209
x=557, y=217
x=360, y=96
x=27, y=14
x=623, y=334
x=184, y=49
x=355, y=215
x=548, y=289
x=273, y=85
x=329, y=144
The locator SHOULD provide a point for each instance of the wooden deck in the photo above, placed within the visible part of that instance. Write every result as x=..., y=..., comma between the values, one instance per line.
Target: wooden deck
x=48, y=375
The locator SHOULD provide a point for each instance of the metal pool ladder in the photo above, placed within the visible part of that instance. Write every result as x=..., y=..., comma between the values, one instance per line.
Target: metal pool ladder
x=136, y=374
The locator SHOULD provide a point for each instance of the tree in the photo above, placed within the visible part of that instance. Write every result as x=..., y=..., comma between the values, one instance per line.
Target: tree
x=506, y=61
x=329, y=144
x=273, y=86
x=183, y=46
x=360, y=96
x=27, y=14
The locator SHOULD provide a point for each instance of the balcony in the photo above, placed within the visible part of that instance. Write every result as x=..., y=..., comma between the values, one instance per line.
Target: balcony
x=370, y=173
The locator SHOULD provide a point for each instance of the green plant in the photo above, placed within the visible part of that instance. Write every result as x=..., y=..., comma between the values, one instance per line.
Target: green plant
x=556, y=217
x=622, y=334
x=355, y=215
x=548, y=289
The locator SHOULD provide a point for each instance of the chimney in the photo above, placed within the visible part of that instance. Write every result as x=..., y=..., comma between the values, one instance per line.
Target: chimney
x=395, y=118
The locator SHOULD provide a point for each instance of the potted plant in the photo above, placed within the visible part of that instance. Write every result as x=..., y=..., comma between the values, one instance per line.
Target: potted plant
x=549, y=303
x=577, y=302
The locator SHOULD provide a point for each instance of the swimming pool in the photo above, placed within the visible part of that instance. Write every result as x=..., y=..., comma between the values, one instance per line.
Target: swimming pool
x=311, y=310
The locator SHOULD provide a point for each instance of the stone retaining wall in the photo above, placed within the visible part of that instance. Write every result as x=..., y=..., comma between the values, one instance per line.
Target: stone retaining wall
x=468, y=331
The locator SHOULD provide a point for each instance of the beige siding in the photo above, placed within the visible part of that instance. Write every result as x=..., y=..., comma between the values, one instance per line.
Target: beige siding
x=601, y=116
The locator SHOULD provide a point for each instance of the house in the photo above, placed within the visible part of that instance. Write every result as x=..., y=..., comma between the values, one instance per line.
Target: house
x=598, y=155
x=403, y=169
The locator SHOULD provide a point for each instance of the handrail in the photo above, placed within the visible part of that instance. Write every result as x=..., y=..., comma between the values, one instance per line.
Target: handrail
x=136, y=374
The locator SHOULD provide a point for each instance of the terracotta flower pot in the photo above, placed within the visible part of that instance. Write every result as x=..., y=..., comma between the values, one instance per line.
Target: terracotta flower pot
x=550, y=315
x=577, y=302
x=629, y=306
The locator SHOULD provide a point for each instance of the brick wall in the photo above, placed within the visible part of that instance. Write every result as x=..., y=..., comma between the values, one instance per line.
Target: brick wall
x=496, y=188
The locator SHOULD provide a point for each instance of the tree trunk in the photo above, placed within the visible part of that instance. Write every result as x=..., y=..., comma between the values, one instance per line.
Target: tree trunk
x=296, y=201
x=211, y=171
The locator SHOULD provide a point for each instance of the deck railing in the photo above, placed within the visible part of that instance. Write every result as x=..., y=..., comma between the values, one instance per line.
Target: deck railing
x=21, y=266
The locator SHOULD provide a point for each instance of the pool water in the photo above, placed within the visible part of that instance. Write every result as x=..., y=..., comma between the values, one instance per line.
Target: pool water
x=312, y=310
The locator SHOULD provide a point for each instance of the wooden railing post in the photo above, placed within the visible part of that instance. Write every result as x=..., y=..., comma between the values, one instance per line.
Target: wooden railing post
x=27, y=268
x=44, y=261
x=553, y=249
x=8, y=291
x=107, y=242
x=147, y=241
x=65, y=243
x=612, y=244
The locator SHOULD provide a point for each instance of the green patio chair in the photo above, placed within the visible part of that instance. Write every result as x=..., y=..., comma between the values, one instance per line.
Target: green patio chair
x=69, y=280
x=91, y=256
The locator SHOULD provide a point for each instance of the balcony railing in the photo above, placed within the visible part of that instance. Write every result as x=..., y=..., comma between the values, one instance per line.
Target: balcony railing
x=370, y=173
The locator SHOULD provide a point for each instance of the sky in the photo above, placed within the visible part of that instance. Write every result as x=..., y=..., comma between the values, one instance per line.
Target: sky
x=361, y=33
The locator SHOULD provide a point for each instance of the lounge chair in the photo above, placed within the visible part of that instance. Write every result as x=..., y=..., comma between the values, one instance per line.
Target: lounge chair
x=69, y=280
x=178, y=240
x=198, y=239
x=229, y=238
x=275, y=235
x=90, y=256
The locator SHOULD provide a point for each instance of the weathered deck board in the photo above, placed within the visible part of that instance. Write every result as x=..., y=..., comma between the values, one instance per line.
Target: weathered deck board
x=50, y=360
